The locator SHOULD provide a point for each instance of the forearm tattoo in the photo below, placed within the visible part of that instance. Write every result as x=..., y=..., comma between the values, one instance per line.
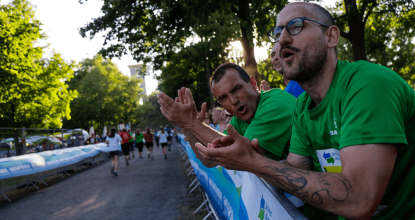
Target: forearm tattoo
x=295, y=181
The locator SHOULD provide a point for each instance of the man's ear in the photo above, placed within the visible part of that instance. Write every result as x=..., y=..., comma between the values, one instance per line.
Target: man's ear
x=253, y=83
x=333, y=36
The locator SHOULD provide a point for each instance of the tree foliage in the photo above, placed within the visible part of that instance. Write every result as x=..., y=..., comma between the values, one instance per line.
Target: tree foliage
x=385, y=33
x=106, y=96
x=154, y=30
x=33, y=90
x=353, y=17
x=149, y=114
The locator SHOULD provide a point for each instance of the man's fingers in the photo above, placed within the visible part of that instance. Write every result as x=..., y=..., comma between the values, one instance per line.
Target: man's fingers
x=177, y=99
x=183, y=91
x=189, y=97
x=255, y=143
x=223, y=141
x=165, y=98
x=202, y=113
x=180, y=95
x=209, y=152
x=233, y=132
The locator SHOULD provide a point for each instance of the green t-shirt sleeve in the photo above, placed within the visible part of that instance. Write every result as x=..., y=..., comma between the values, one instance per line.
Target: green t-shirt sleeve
x=299, y=142
x=272, y=123
x=373, y=108
x=237, y=124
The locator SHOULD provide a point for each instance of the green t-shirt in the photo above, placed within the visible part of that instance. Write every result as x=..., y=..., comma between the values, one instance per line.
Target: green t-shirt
x=365, y=104
x=131, y=140
x=139, y=138
x=272, y=123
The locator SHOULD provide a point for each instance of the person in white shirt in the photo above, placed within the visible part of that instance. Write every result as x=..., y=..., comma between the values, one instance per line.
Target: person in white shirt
x=113, y=141
x=163, y=135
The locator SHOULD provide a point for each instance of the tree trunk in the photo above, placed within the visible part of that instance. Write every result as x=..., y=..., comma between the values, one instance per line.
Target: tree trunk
x=208, y=75
x=247, y=43
x=356, y=34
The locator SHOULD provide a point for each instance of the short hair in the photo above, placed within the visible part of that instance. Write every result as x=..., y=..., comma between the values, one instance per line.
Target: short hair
x=221, y=70
x=322, y=14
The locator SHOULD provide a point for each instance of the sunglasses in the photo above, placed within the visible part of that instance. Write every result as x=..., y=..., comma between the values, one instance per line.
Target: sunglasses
x=294, y=27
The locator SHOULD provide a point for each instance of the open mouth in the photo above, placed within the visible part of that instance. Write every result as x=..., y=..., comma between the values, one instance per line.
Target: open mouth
x=241, y=109
x=286, y=54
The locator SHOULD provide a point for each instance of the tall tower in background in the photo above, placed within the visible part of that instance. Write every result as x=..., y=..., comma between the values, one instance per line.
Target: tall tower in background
x=133, y=72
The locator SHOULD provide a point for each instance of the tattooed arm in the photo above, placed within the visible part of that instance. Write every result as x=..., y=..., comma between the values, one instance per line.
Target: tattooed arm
x=354, y=193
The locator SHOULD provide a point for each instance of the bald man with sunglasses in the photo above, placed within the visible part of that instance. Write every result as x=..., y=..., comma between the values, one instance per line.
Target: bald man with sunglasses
x=355, y=123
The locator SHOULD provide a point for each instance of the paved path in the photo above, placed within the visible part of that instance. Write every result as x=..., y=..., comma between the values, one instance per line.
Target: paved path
x=144, y=190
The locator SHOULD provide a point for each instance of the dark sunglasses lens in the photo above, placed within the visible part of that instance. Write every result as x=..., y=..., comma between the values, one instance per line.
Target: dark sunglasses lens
x=295, y=26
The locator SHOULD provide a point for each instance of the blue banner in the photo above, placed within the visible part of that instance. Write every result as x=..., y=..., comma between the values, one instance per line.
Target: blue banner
x=235, y=194
x=47, y=160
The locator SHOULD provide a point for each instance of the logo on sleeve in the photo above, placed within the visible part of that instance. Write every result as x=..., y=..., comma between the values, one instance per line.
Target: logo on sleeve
x=334, y=132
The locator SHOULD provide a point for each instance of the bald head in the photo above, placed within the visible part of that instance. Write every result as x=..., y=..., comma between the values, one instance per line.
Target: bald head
x=313, y=11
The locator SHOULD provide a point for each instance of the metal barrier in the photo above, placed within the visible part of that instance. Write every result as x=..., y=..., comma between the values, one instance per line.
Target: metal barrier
x=37, y=178
x=207, y=204
x=32, y=140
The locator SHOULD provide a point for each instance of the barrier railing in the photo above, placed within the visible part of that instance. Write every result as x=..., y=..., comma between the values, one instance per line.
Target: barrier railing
x=231, y=194
x=20, y=141
x=31, y=169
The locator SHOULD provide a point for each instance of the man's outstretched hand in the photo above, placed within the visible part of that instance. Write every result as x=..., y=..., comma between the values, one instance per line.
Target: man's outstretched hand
x=181, y=112
x=233, y=152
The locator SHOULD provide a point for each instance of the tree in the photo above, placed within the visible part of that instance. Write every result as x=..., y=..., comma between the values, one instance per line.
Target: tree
x=106, y=96
x=352, y=17
x=150, y=115
x=388, y=39
x=33, y=90
x=154, y=30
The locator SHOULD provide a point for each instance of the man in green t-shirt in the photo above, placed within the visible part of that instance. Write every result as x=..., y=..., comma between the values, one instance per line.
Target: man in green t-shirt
x=264, y=115
x=355, y=124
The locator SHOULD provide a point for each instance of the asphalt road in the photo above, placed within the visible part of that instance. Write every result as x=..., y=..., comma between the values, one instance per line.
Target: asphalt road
x=144, y=190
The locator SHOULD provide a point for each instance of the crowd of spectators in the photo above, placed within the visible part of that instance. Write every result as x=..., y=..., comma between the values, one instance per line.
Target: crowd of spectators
x=341, y=137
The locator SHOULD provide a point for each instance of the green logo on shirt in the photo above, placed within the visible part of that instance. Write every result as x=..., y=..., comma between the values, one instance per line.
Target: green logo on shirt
x=328, y=158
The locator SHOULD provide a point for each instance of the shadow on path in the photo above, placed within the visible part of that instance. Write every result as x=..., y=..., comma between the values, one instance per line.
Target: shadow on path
x=144, y=190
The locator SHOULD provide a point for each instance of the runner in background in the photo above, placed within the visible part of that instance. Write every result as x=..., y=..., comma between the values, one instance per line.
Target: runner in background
x=148, y=137
x=113, y=140
x=156, y=138
x=163, y=140
x=131, y=142
x=175, y=134
x=139, y=142
x=169, y=136
x=125, y=145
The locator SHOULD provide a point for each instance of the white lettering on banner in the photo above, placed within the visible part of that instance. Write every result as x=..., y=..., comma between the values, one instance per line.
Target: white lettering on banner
x=228, y=209
x=204, y=175
x=267, y=209
x=64, y=160
x=195, y=166
x=20, y=168
x=54, y=162
x=217, y=191
x=3, y=172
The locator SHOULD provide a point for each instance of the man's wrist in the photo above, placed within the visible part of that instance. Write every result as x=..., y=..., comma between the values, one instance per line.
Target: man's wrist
x=192, y=125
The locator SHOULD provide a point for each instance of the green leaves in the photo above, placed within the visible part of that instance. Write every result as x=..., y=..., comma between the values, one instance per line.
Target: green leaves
x=105, y=95
x=33, y=90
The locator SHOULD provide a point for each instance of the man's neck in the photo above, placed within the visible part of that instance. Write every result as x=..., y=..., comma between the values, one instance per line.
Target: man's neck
x=258, y=98
x=318, y=87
